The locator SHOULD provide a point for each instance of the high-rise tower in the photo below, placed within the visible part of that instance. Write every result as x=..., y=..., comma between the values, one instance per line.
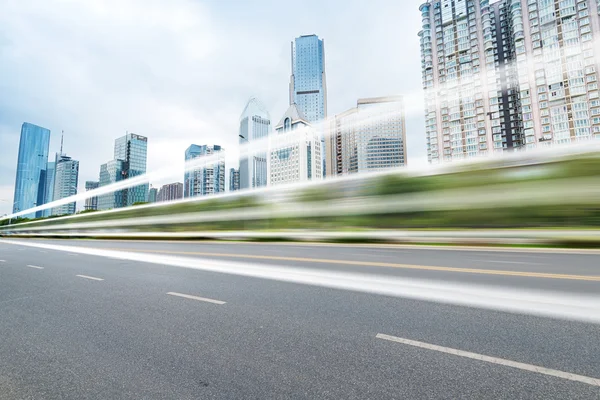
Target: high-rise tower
x=255, y=124
x=30, y=184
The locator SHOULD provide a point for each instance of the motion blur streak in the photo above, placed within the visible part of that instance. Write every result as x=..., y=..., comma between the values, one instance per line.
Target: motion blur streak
x=531, y=157
x=543, y=303
x=554, y=189
x=171, y=171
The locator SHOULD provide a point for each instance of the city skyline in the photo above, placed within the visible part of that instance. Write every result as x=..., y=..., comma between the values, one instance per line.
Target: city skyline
x=179, y=102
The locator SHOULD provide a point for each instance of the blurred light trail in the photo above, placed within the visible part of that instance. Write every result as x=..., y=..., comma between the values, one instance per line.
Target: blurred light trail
x=535, y=302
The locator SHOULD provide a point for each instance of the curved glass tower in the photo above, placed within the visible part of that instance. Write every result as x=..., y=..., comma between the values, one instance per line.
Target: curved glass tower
x=30, y=184
x=255, y=124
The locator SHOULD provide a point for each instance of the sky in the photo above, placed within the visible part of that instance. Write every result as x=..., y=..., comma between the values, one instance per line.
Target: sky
x=181, y=71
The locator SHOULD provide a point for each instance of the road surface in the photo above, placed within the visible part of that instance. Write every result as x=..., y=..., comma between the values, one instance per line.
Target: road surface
x=117, y=319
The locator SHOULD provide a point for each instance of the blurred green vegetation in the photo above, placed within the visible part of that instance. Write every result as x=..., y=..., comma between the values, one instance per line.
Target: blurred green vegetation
x=496, y=172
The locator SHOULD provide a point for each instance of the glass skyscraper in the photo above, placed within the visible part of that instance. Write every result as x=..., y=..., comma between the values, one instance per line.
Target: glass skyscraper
x=92, y=202
x=255, y=124
x=65, y=183
x=111, y=172
x=152, y=195
x=308, y=88
x=132, y=149
x=208, y=179
x=49, y=189
x=30, y=184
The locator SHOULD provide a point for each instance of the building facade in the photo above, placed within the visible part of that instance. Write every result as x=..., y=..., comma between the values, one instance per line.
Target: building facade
x=234, y=179
x=369, y=137
x=170, y=192
x=510, y=75
x=32, y=164
x=111, y=172
x=206, y=179
x=65, y=183
x=308, y=86
x=255, y=124
x=49, y=189
x=132, y=149
x=308, y=83
x=152, y=195
x=295, y=150
x=91, y=203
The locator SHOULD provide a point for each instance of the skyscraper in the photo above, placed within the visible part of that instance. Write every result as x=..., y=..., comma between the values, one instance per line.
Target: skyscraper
x=30, y=184
x=295, y=150
x=234, y=179
x=308, y=88
x=133, y=150
x=65, y=183
x=206, y=179
x=512, y=74
x=49, y=189
x=152, y=195
x=111, y=172
x=454, y=57
x=255, y=124
x=92, y=202
x=371, y=136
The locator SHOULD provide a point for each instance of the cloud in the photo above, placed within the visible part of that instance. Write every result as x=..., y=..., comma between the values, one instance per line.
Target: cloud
x=180, y=71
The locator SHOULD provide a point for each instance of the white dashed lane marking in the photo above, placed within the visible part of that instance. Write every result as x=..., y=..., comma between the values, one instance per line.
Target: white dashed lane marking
x=493, y=360
x=89, y=277
x=187, y=296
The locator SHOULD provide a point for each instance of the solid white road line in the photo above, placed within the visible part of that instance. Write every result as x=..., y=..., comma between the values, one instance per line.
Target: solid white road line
x=89, y=277
x=35, y=266
x=494, y=360
x=187, y=296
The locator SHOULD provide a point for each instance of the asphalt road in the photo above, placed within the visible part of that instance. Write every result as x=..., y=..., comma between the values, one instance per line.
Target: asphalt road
x=80, y=326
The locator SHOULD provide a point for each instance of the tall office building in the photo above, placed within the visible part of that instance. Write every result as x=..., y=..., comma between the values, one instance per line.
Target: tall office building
x=308, y=85
x=255, y=124
x=234, y=179
x=91, y=203
x=111, y=172
x=30, y=184
x=513, y=74
x=369, y=137
x=295, y=150
x=49, y=189
x=65, y=183
x=133, y=150
x=170, y=192
x=152, y=195
x=208, y=178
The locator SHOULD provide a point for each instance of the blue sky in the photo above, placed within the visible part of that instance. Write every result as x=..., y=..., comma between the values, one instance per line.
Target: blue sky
x=181, y=71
